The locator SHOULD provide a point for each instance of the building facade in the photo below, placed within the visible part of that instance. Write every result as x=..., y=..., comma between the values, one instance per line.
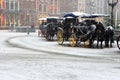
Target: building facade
x=12, y=10
x=15, y=13
x=87, y=6
x=42, y=8
x=2, y=14
x=68, y=6
x=28, y=13
x=54, y=7
x=116, y=15
x=48, y=8
x=82, y=5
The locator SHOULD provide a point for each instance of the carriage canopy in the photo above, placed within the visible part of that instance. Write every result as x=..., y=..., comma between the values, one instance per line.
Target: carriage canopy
x=75, y=14
x=94, y=15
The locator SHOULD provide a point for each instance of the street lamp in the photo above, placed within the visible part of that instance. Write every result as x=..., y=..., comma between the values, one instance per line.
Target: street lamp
x=112, y=4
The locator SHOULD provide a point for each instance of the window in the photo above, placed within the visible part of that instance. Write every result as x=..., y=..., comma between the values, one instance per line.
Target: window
x=12, y=5
x=7, y=5
x=16, y=5
x=0, y=4
x=40, y=8
x=55, y=2
x=51, y=2
x=44, y=8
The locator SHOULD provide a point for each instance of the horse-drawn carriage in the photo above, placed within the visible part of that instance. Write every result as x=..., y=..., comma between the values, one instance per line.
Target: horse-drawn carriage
x=86, y=31
x=50, y=27
x=69, y=31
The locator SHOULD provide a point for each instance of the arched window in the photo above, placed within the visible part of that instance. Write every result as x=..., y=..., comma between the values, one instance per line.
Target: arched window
x=12, y=5
x=16, y=5
x=40, y=8
x=7, y=5
x=44, y=8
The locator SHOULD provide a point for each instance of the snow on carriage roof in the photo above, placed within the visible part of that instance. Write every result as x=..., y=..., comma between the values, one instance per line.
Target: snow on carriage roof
x=55, y=17
x=95, y=15
x=42, y=19
x=101, y=15
x=75, y=14
x=50, y=17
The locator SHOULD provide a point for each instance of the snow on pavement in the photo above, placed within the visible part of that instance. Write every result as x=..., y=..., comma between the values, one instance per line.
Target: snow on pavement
x=19, y=64
x=37, y=43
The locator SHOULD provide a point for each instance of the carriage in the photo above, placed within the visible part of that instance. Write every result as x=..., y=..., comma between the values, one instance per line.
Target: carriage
x=90, y=30
x=85, y=31
x=65, y=33
x=50, y=28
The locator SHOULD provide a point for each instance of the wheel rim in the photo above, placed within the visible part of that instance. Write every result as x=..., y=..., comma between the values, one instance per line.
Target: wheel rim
x=86, y=43
x=60, y=37
x=73, y=41
x=118, y=42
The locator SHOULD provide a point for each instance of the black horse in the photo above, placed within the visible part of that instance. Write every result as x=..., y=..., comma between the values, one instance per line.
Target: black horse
x=109, y=34
x=103, y=34
x=51, y=30
x=100, y=34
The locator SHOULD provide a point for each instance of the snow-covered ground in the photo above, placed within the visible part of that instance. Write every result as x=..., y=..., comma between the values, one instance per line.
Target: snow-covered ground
x=29, y=59
x=40, y=44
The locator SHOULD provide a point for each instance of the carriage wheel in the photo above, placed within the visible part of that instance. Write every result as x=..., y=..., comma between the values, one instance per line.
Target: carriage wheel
x=73, y=40
x=86, y=43
x=118, y=42
x=60, y=38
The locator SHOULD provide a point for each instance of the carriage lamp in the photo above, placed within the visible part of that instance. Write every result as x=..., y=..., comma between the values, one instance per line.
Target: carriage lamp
x=112, y=4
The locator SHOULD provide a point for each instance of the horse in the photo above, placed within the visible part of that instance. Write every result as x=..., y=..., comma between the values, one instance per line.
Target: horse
x=50, y=31
x=109, y=34
x=100, y=34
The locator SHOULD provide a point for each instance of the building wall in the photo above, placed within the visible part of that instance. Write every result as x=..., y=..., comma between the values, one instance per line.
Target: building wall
x=96, y=6
x=28, y=12
x=117, y=16
x=2, y=14
x=42, y=8
x=68, y=6
x=12, y=10
x=88, y=6
x=82, y=5
x=54, y=7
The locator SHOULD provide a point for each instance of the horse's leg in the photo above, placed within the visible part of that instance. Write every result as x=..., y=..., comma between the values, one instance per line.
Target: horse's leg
x=111, y=41
x=90, y=41
x=97, y=42
x=106, y=43
x=101, y=44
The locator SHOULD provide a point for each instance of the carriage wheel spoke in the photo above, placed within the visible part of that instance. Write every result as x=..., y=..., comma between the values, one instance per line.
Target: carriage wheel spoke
x=73, y=41
x=60, y=37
